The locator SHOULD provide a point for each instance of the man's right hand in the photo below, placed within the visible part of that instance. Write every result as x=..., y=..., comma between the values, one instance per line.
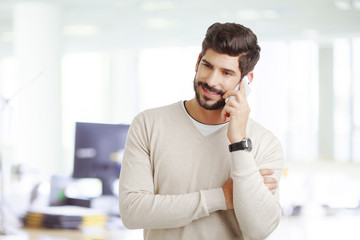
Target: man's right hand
x=228, y=193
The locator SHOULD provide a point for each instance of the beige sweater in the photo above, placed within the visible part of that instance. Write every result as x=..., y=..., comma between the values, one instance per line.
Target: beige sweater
x=171, y=179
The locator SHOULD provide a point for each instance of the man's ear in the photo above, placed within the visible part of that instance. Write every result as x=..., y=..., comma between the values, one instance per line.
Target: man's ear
x=250, y=76
x=198, y=62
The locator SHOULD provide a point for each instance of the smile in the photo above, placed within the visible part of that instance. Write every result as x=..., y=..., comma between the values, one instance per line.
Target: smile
x=209, y=93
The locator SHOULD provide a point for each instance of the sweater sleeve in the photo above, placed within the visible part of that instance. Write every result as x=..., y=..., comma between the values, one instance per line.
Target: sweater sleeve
x=140, y=206
x=257, y=210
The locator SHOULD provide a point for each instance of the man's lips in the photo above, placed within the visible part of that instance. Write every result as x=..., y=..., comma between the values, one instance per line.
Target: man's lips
x=210, y=93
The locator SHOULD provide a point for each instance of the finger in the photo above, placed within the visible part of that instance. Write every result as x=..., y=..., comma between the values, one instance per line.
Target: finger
x=225, y=114
x=241, y=96
x=269, y=180
x=228, y=111
x=236, y=93
x=228, y=99
x=232, y=102
x=271, y=186
x=229, y=93
x=266, y=172
x=242, y=87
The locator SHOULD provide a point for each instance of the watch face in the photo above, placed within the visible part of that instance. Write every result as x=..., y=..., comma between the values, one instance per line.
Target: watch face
x=248, y=144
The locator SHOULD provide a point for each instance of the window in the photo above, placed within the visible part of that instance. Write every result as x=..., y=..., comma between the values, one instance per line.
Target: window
x=347, y=100
x=85, y=87
x=166, y=75
x=285, y=96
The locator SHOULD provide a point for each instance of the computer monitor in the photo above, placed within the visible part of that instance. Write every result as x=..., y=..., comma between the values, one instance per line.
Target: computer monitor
x=98, y=151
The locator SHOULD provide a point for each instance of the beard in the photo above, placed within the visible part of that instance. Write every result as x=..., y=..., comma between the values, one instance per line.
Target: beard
x=204, y=102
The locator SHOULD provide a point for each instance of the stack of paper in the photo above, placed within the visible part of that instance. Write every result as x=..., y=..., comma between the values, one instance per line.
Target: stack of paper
x=66, y=217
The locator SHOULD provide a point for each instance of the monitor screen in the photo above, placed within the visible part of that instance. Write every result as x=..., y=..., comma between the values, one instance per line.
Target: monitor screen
x=98, y=152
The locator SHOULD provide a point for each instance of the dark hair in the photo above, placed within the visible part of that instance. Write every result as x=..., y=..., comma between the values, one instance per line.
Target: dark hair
x=235, y=40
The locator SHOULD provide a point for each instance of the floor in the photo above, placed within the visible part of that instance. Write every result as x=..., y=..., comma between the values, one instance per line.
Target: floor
x=309, y=226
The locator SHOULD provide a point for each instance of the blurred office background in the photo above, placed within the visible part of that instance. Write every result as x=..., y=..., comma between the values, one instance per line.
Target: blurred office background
x=105, y=61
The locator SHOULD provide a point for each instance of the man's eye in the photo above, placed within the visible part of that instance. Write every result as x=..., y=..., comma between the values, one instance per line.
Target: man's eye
x=227, y=73
x=207, y=65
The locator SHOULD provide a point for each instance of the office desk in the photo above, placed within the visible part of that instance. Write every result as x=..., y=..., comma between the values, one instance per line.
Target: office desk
x=57, y=234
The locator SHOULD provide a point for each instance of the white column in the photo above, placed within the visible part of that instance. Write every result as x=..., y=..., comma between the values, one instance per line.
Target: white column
x=326, y=102
x=37, y=119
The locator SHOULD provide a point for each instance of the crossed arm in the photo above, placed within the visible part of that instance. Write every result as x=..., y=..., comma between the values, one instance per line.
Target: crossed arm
x=269, y=181
x=145, y=209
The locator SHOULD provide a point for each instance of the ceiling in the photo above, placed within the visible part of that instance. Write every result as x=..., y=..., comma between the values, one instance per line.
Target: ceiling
x=138, y=23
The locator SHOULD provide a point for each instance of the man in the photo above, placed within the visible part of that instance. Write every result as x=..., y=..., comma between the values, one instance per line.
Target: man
x=188, y=170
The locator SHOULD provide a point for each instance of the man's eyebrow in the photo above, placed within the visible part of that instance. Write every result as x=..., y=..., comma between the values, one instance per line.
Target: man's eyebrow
x=224, y=69
x=205, y=61
x=228, y=70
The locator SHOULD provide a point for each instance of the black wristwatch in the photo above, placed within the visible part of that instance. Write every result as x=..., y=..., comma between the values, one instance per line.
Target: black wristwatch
x=243, y=145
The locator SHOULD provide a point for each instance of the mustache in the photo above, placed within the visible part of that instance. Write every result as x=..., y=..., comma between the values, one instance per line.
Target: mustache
x=211, y=89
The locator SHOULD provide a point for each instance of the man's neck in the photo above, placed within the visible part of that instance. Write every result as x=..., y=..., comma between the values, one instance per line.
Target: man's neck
x=202, y=115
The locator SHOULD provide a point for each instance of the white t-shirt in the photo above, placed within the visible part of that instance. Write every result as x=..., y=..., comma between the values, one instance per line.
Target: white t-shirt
x=205, y=129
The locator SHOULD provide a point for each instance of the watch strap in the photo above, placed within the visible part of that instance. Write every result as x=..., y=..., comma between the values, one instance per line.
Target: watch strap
x=242, y=145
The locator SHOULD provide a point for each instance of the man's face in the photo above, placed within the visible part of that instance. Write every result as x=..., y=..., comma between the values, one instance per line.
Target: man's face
x=215, y=74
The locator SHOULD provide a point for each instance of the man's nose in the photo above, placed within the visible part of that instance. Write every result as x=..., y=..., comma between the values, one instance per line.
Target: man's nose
x=213, y=79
